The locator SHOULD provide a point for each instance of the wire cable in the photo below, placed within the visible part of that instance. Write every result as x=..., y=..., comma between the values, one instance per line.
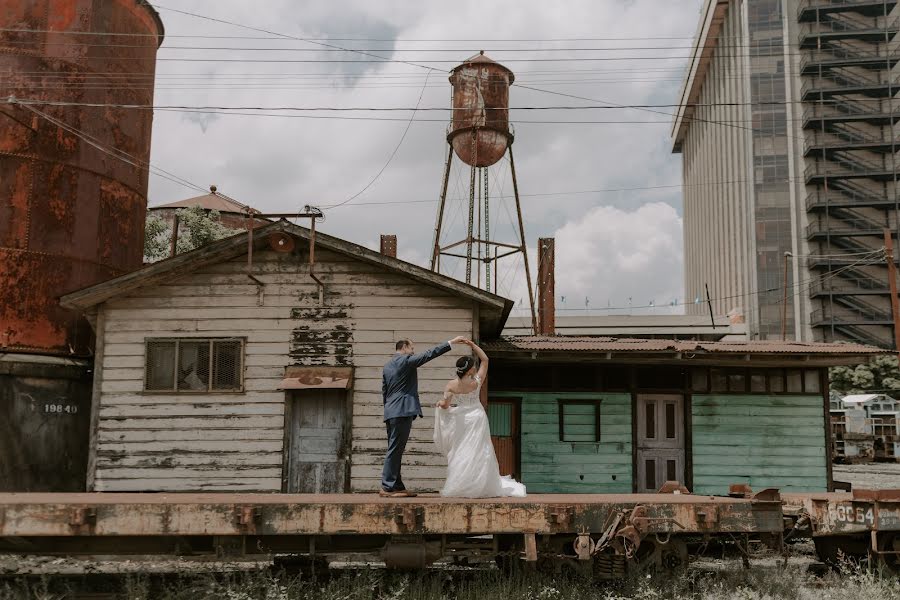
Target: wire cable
x=391, y=157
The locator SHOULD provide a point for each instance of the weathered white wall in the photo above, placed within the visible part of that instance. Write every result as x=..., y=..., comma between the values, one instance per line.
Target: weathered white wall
x=235, y=441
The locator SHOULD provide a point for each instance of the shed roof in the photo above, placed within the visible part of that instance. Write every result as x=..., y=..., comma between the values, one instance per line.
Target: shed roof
x=492, y=313
x=211, y=201
x=609, y=347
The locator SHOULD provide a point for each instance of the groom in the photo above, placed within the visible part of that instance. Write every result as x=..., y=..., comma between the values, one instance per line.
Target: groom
x=400, y=390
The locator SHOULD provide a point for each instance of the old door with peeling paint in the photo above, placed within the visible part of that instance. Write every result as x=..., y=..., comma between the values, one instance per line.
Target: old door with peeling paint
x=316, y=452
x=660, y=440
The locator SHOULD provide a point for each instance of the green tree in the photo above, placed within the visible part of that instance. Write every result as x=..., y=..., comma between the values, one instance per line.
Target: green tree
x=880, y=374
x=196, y=228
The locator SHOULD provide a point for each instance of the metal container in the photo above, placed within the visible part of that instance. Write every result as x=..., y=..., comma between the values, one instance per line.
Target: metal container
x=71, y=213
x=480, y=131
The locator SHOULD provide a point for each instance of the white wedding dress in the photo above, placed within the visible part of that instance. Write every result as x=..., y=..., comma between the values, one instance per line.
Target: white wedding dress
x=462, y=434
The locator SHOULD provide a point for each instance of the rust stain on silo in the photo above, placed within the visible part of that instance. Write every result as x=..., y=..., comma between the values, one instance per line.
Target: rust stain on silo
x=71, y=215
x=480, y=131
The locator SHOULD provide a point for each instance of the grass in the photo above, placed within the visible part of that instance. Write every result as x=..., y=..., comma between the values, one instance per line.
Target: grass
x=731, y=584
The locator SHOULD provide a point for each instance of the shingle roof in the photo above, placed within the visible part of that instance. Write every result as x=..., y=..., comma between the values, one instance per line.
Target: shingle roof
x=609, y=344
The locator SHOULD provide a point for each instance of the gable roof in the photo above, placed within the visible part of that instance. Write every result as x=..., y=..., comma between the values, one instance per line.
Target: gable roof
x=492, y=314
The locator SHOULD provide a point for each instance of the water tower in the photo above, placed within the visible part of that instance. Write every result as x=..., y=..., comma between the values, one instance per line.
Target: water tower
x=480, y=136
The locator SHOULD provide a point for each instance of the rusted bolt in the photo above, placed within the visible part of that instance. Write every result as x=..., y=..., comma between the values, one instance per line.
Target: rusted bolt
x=82, y=516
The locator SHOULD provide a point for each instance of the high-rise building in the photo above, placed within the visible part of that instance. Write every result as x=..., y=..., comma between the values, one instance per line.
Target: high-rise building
x=786, y=126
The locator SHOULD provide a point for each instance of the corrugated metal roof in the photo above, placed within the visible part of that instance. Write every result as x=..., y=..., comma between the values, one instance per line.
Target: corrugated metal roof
x=609, y=344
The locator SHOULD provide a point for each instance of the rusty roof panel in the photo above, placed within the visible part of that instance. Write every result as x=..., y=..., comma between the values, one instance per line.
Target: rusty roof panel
x=610, y=344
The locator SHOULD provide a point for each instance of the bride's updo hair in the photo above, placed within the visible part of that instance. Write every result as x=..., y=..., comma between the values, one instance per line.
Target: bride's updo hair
x=463, y=365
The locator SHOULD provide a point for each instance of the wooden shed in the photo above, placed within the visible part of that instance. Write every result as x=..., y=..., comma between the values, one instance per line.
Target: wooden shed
x=222, y=369
x=612, y=415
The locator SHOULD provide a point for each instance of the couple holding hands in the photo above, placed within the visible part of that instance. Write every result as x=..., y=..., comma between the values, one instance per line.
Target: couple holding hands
x=461, y=430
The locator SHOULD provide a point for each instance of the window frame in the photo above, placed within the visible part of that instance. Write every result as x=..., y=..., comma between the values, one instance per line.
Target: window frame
x=781, y=373
x=177, y=355
x=563, y=402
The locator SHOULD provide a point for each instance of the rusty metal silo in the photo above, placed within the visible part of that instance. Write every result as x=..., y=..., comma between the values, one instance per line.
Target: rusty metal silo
x=71, y=213
x=479, y=132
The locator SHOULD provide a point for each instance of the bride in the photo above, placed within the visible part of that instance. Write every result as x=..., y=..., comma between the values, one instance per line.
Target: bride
x=462, y=434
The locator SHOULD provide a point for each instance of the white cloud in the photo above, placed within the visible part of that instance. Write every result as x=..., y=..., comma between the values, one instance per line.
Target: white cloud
x=279, y=164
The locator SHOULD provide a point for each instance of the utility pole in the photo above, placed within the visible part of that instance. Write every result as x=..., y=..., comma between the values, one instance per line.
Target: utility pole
x=784, y=298
x=892, y=281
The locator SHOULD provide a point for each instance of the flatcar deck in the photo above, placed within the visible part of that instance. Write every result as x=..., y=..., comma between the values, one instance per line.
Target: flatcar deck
x=149, y=514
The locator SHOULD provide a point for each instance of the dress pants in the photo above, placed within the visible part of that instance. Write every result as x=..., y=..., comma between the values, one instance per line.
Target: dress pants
x=397, y=433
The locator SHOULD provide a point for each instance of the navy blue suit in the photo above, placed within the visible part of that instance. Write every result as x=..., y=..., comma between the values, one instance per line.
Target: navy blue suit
x=400, y=391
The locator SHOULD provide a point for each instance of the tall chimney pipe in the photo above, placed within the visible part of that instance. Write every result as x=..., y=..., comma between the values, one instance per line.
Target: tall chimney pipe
x=389, y=245
x=546, y=286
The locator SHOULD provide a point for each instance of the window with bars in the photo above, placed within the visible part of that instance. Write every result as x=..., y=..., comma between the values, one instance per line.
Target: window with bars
x=192, y=365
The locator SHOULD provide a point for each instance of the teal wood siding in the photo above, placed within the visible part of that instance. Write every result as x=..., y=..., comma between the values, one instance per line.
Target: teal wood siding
x=763, y=441
x=552, y=466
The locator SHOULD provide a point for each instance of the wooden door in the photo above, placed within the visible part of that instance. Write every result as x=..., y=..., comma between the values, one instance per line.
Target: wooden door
x=316, y=453
x=660, y=440
x=503, y=416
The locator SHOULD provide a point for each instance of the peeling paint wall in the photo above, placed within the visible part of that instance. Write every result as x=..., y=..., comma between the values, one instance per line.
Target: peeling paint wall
x=230, y=442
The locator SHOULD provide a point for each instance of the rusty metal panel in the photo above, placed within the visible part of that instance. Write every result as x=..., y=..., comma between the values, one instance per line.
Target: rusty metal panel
x=611, y=344
x=479, y=132
x=45, y=414
x=29, y=515
x=71, y=215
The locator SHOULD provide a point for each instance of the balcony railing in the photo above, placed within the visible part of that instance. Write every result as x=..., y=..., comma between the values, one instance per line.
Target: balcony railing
x=843, y=199
x=848, y=285
x=832, y=85
x=849, y=316
x=838, y=226
x=826, y=4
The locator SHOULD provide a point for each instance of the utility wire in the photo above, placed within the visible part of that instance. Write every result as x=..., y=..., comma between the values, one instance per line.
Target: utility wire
x=391, y=157
x=284, y=35
x=116, y=153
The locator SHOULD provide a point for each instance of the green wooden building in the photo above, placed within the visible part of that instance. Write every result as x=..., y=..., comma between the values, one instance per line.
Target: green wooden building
x=604, y=415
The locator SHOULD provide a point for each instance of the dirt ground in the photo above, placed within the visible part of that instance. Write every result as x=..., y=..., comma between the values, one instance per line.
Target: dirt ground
x=878, y=476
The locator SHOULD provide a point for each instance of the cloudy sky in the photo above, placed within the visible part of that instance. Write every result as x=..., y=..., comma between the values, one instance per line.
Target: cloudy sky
x=577, y=169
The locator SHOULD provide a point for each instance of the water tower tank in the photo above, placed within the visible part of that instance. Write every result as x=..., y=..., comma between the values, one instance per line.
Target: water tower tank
x=71, y=215
x=480, y=131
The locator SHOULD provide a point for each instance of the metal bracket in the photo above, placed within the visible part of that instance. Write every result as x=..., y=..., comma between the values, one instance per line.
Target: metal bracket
x=246, y=518
x=409, y=518
x=83, y=516
x=561, y=517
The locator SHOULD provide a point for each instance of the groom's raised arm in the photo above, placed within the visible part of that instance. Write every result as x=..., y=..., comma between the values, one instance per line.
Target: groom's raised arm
x=417, y=360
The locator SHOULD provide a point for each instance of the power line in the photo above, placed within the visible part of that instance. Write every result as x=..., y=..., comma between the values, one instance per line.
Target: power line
x=391, y=157
x=283, y=35
x=117, y=153
x=870, y=256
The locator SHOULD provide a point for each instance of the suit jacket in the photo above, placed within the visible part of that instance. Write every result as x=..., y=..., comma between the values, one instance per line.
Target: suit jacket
x=400, y=382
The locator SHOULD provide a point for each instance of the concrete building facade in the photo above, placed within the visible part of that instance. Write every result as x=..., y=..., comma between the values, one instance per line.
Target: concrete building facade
x=787, y=129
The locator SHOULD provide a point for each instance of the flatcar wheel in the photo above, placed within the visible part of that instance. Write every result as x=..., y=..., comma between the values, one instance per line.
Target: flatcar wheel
x=832, y=549
x=889, y=544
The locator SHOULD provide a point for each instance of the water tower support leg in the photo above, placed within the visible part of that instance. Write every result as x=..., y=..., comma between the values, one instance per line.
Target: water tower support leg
x=436, y=252
x=471, y=235
x=512, y=170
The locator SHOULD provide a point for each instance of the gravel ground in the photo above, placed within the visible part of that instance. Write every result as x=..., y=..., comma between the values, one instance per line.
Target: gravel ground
x=877, y=476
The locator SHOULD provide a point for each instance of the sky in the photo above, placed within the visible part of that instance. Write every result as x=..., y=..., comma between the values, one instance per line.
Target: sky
x=616, y=246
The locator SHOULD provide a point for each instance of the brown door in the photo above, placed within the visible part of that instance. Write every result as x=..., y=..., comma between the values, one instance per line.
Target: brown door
x=503, y=416
x=660, y=440
x=316, y=452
